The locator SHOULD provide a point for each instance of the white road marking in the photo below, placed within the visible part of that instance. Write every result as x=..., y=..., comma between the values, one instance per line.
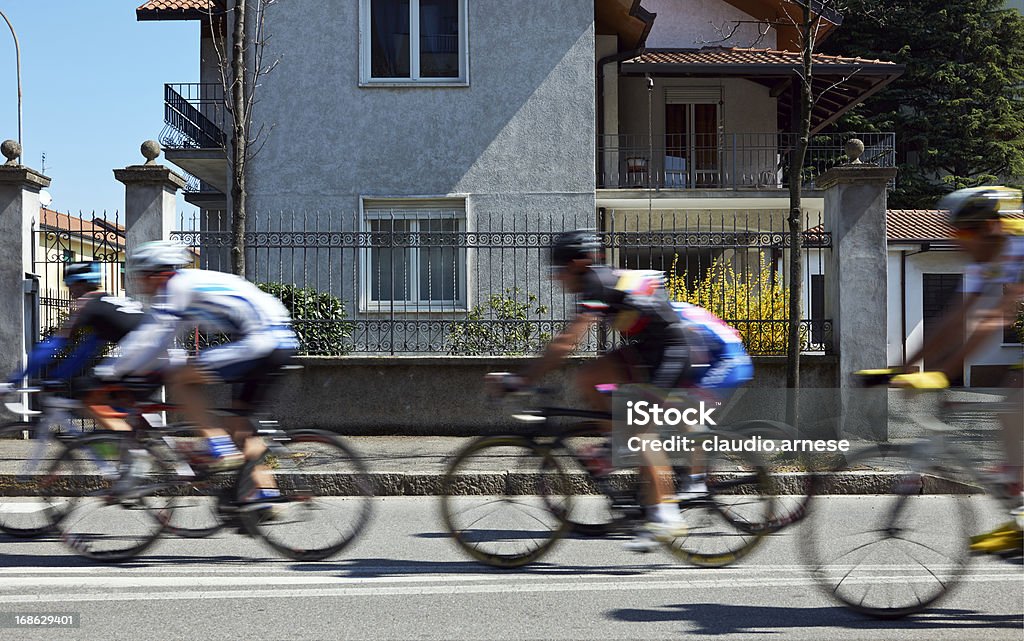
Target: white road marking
x=356, y=586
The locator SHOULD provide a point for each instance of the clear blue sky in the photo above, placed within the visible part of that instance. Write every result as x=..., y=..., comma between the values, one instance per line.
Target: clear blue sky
x=92, y=90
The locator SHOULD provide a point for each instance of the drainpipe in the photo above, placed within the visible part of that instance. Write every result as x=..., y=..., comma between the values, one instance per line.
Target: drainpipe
x=903, y=304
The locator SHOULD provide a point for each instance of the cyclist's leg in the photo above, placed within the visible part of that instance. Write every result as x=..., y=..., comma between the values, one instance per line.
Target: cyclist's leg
x=249, y=397
x=187, y=383
x=1013, y=424
x=1008, y=536
x=716, y=385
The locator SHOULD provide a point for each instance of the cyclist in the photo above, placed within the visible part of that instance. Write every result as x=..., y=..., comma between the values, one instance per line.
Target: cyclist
x=993, y=289
x=97, y=320
x=664, y=350
x=261, y=343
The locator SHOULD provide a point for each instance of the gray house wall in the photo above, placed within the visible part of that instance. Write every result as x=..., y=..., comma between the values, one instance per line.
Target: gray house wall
x=525, y=125
x=517, y=143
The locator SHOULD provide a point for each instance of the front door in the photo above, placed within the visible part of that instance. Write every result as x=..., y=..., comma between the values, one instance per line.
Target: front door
x=940, y=293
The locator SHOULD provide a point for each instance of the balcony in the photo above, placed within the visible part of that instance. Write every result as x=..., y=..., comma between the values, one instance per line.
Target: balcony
x=193, y=135
x=725, y=161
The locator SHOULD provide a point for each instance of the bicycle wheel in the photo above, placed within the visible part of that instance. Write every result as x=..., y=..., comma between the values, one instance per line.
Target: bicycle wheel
x=793, y=475
x=119, y=493
x=728, y=523
x=23, y=465
x=197, y=507
x=504, y=500
x=599, y=506
x=899, y=549
x=324, y=501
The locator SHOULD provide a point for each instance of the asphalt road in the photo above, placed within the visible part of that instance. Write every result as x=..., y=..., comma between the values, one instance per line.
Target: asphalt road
x=404, y=579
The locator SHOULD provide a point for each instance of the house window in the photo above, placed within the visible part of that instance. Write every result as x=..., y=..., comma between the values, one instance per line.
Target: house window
x=416, y=260
x=414, y=41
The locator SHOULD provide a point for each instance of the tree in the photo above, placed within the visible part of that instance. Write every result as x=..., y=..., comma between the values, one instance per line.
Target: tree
x=958, y=109
x=806, y=18
x=240, y=77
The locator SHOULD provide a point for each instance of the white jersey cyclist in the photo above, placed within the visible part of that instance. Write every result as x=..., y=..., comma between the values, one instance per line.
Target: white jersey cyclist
x=257, y=323
x=989, y=279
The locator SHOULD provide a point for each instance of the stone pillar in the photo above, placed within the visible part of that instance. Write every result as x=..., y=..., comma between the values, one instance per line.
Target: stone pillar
x=19, y=206
x=150, y=199
x=150, y=193
x=855, y=204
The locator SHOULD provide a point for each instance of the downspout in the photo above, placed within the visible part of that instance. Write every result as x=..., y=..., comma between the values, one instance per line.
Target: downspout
x=903, y=304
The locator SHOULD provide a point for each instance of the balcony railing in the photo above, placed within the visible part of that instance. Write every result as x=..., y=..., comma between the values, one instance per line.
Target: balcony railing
x=727, y=160
x=193, y=116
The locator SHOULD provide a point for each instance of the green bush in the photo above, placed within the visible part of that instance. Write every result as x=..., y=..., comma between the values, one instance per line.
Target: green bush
x=500, y=327
x=319, y=318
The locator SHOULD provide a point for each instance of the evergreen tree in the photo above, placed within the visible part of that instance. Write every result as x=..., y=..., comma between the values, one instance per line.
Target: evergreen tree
x=958, y=109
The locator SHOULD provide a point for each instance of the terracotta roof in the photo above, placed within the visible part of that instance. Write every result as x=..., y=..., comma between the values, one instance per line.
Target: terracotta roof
x=175, y=5
x=742, y=56
x=921, y=225
x=173, y=9
x=77, y=225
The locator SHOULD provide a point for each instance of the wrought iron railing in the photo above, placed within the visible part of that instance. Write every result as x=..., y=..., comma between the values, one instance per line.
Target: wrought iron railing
x=194, y=116
x=726, y=160
x=60, y=239
x=428, y=283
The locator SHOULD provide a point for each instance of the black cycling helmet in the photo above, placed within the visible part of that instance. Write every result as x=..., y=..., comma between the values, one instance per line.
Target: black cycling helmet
x=570, y=245
x=90, y=273
x=967, y=207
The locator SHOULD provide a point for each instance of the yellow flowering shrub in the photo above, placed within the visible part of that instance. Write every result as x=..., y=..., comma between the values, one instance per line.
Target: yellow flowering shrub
x=755, y=302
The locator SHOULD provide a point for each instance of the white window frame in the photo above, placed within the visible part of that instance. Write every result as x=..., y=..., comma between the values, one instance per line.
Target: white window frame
x=366, y=78
x=413, y=209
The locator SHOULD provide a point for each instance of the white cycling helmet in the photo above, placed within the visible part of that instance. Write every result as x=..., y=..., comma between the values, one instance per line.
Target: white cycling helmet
x=158, y=256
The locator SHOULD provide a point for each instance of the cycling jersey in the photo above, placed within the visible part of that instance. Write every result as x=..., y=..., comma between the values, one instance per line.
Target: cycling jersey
x=636, y=304
x=97, y=320
x=730, y=364
x=257, y=323
x=988, y=279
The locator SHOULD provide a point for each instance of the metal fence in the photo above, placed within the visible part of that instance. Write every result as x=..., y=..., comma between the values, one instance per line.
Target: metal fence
x=59, y=239
x=726, y=160
x=436, y=281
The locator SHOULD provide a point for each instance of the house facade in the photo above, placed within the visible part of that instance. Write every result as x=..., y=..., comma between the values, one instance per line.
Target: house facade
x=442, y=142
x=925, y=274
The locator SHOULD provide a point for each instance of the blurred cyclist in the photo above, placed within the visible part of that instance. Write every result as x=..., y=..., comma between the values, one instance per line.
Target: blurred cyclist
x=261, y=343
x=993, y=289
x=97, y=320
x=665, y=349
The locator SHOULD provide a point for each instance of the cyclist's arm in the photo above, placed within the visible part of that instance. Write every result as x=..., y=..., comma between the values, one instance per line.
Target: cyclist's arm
x=560, y=347
x=991, y=320
x=40, y=356
x=141, y=349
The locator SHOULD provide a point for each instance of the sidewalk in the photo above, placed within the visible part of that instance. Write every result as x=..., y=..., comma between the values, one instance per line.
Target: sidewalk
x=415, y=466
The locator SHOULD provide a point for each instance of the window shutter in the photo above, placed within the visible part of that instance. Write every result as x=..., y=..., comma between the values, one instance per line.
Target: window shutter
x=692, y=95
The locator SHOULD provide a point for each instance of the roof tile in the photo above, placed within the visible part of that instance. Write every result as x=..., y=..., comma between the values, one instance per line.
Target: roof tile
x=175, y=5
x=742, y=55
x=922, y=224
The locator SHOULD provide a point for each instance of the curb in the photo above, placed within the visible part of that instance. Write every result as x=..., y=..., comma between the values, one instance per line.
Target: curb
x=518, y=483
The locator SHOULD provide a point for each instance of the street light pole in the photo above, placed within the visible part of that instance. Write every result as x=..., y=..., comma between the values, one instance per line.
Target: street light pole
x=17, y=60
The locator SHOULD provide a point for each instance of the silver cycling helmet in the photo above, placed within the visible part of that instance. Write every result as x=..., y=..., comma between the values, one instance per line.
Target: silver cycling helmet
x=158, y=256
